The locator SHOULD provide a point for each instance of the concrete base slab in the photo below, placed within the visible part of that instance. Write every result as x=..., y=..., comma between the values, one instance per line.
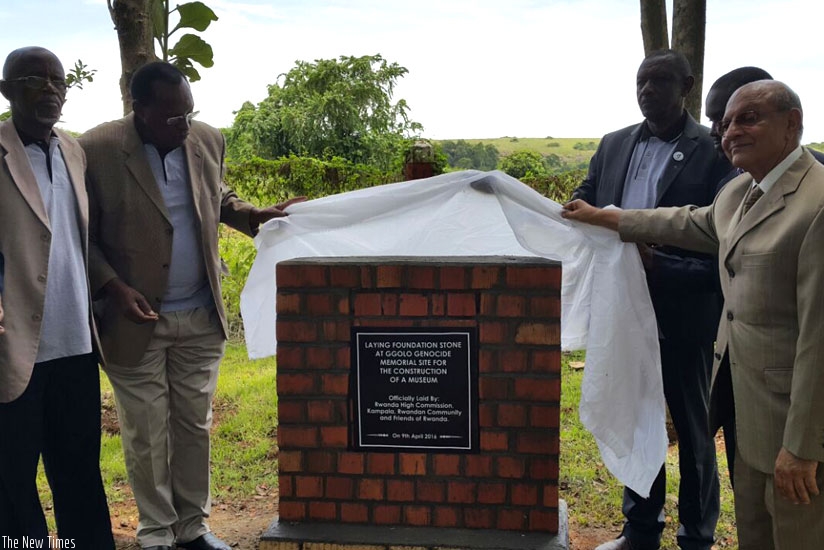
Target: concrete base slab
x=336, y=536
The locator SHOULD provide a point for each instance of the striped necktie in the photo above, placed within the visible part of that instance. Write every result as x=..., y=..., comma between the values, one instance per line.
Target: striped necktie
x=755, y=194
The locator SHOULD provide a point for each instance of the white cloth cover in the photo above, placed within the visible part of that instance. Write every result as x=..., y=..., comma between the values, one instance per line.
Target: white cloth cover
x=606, y=307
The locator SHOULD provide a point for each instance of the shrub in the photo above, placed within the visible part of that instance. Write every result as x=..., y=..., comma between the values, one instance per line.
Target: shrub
x=521, y=164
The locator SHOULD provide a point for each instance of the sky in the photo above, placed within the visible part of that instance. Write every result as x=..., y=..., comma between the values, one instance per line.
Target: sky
x=477, y=68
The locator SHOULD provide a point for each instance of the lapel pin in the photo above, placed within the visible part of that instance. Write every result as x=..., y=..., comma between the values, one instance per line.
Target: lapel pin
x=678, y=156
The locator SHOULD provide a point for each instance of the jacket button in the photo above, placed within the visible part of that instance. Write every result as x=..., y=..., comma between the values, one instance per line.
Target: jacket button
x=36, y=317
x=731, y=273
x=165, y=266
x=45, y=237
x=41, y=278
x=730, y=316
x=717, y=355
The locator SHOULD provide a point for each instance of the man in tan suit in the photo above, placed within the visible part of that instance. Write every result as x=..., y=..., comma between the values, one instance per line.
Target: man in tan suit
x=767, y=228
x=157, y=197
x=49, y=379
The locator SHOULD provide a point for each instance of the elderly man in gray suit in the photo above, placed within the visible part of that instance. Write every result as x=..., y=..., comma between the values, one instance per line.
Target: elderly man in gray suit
x=767, y=228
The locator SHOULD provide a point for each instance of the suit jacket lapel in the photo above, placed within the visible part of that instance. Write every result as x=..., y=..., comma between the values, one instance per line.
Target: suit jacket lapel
x=685, y=146
x=20, y=169
x=623, y=158
x=194, y=162
x=74, y=165
x=138, y=165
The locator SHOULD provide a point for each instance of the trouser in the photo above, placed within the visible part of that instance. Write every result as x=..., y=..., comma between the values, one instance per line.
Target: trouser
x=686, y=369
x=767, y=521
x=58, y=417
x=164, y=405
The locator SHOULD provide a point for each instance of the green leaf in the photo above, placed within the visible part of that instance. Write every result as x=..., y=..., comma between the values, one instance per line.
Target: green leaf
x=186, y=67
x=158, y=13
x=193, y=48
x=195, y=15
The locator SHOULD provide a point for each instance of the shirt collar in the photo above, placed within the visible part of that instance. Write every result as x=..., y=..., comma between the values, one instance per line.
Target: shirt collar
x=778, y=171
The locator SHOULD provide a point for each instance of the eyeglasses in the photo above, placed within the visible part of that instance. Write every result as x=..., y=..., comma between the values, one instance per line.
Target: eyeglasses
x=747, y=119
x=187, y=118
x=40, y=83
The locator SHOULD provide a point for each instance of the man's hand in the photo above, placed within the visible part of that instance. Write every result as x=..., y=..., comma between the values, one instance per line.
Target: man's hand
x=582, y=211
x=132, y=304
x=795, y=477
x=647, y=256
x=2, y=330
x=259, y=216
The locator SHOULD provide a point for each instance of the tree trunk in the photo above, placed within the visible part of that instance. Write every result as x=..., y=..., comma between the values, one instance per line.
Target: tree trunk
x=689, y=21
x=133, y=23
x=654, y=25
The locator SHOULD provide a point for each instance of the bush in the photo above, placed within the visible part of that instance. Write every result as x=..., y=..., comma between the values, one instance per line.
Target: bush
x=558, y=187
x=588, y=146
x=521, y=164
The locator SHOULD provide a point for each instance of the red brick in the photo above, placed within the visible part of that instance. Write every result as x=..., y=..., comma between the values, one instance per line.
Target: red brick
x=512, y=520
x=342, y=305
x=550, y=497
x=543, y=468
x=487, y=361
x=478, y=466
x=533, y=277
x=334, y=436
x=510, y=467
x=286, y=486
x=446, y=516
x=453, y=278
x=475, y=518
x=319, y=358
x=289, y=357
x=524, y=494
x=429, y=491
x=544, y=416
x=389, y=304
x=438, y=303
x=460, y=305
x=301, y=276
x=539, y=334
x=308, y=486
x=417, y=515
x=370, y=489
x=320, y=304
x=494, y=388
x=543, y=520
x=344, y=276
x=461, y=491
x=545, y=306
x=493, y=332
x=342, y=357
x=320, y=462
x=412, y=464
x=389, y=276
x=290, y=461
x=421, y=278
x=321, y=411
x=488, y=302
x=367, y=277
x=381, y=463
x=414, y=305
x=339, y=488
x=291, y=412
x=323, y=511
x=387, y=514
x=295, y=331
x=486, y=415
x=292, y=511
x=335, y=384
x=546, y=361
x=511, y=306
x=446, y=465
x=494, y=441
x=351, y=512
x=297, y=436
x=400, y=490
x=367, y=304
x=287, y=302
x=295, y=384
x=485, y=276
x=511, y=415
x=538, y=389
x=350, y=463
x=336, y=331
x=491, y=493
x=514, y=361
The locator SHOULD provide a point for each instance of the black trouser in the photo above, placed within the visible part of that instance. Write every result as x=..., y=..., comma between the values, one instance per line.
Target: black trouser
x=687, y=369
x=58, y=417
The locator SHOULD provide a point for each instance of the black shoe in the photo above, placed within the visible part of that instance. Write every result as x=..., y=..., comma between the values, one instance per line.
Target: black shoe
x=621, y=543
x=157, y=547
x=205, y=542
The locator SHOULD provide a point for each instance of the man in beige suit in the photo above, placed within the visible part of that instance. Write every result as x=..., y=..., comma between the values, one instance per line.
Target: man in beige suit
x=157, y=196
x=49, y=379
x=767, y=228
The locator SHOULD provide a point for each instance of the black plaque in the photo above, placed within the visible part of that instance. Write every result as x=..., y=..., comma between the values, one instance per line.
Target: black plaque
x=415, y=388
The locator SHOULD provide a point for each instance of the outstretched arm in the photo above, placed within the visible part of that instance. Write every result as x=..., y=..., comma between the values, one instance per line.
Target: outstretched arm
x=582, y=211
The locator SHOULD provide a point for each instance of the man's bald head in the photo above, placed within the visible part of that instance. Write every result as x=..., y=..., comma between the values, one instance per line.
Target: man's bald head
x=17, y=61
x=35, y=85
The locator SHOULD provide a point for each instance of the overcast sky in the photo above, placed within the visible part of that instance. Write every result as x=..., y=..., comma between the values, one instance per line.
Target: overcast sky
x=477, y=68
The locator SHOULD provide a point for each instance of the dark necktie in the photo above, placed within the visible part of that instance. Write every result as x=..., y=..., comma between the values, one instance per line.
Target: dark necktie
x=755, y=194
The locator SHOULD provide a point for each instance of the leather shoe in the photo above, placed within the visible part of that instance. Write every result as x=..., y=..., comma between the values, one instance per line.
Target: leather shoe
x=157, y=547
x=205, y=542
x=621, y=543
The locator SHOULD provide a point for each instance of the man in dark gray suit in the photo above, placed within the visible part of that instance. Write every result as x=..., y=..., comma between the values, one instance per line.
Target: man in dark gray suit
x=669, y=160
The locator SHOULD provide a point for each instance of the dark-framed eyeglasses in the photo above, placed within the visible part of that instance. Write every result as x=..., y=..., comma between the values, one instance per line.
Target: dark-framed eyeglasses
x=181, y=119
x=40, y=83
x=746, y=119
